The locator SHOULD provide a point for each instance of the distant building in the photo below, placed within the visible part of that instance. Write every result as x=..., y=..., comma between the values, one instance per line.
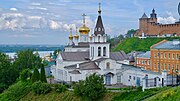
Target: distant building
x=165, y=55
x=149, y=27
x=143, y=60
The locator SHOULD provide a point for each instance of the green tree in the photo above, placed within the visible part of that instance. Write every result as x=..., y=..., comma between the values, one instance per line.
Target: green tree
x=129, y=32
x=26, y=59
x=92, y=88
x=35, y=75
x=43, y=75
x=8, y=74
x=25, y=74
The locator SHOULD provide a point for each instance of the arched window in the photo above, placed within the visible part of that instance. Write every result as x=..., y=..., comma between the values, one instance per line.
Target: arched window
x=104, y=51
x=99, y=29
x=99, y=51
x=98, y=38
x=107, y=65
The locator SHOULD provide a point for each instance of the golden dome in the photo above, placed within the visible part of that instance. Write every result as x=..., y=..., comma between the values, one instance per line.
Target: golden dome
x=91, y=36
x=76, y=36
x=84, y=30
x=70, y=37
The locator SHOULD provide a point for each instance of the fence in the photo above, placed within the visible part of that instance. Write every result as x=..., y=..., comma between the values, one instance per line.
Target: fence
x=160, y=82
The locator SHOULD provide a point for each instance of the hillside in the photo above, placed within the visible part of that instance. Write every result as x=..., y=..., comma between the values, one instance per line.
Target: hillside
x=167, y=95
x=136, y=44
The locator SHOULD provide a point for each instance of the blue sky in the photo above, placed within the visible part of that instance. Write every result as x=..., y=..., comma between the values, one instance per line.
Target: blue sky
x=48, y=21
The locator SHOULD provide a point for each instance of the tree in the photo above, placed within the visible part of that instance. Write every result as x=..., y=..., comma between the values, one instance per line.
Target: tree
x=92, y=88
x=35, y=75
x=26, y=73
x=131, y=31
x=8, y=74
x=26, y=59
x=43, y=75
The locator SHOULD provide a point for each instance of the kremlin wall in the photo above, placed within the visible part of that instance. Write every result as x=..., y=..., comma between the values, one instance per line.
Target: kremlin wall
x=149, y=27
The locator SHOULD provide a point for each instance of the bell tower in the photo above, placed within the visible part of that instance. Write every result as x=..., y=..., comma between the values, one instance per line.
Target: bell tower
x=99, y=48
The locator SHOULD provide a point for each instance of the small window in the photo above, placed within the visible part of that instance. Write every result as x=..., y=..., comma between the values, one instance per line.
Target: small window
x=107, y=65
x=129, y=77
x=99, y=29
x=99, y=51
x=177, y=56
x=169, y=56
x=104, y=51
x=98, y=38
x=173, y=56
x=134, y=78
x=168, y=67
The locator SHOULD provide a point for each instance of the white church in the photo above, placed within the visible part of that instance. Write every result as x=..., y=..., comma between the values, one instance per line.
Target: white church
x=87, y=54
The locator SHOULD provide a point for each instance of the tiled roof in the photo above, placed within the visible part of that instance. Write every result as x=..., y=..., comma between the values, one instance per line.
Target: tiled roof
x=90, y=65
x=145, y=55
x=118, y=56
x=167, y=45
x=130, y=67
x=99, y=24
x=75, y=56
x=74, y=72
x=144, y=16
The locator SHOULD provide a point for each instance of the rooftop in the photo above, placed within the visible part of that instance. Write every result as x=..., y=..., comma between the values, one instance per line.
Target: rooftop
x=169, y=45
x=144, y=55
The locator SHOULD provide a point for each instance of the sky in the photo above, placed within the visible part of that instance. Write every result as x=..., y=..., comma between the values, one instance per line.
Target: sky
x=49, y=21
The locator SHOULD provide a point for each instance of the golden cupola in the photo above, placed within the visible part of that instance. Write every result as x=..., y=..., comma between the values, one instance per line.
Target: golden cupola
x=76, y=36
x=70, y=36
x=84, y=29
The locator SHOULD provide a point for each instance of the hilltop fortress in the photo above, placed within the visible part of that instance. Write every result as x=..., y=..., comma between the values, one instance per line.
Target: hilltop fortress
x=149, y=27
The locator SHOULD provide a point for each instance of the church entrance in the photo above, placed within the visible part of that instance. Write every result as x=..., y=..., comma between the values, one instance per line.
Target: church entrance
x=108, y=79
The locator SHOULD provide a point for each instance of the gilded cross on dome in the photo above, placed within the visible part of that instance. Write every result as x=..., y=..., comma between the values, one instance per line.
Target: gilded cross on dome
x=84, y=15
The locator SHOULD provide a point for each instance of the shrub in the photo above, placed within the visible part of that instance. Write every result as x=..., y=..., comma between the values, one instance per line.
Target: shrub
x=43, y=75
x=92, y=88
x=35, y=75
x=26, y=73
x=41, y=88
x=60, y=88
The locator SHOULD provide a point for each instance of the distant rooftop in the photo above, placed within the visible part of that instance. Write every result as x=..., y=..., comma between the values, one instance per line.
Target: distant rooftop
x=144, y=55
x=169, y=45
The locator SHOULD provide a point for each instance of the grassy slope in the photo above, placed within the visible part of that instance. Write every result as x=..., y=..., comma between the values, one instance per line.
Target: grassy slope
x=65, y=96
x=16, y=91
x=137, y=44
x=172, y=94
x=137, y=95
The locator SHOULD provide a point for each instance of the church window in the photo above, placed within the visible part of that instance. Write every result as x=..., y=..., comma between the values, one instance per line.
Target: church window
x=104, y=51
x=107, y=65
x=99, y=29
x=99, y=51
x=98, y=38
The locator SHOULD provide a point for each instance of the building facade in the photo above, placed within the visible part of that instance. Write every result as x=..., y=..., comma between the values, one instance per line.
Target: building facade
x=165, y=55
x=143, y=60
x=149, y=27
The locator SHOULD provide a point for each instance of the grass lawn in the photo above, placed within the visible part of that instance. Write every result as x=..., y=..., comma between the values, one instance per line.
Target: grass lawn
x=172, y=94
x=136, y=44
x=137, y=95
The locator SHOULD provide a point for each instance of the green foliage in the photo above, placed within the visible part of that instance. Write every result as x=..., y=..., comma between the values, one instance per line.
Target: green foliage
x=137, y=95
x=35, y=75
x=26, y=59
x=60, y=88
x=131, y=31
x=92, y=88
x=26, y=73
x=8, y=73
x=43, y=75
x=16, y=91
x=171, y=94
x=136, y=44
x=114, y=41
x=55, y=53
x=41, y=88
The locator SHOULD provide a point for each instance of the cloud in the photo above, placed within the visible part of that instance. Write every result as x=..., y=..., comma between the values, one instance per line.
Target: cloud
x=39, y=8
x=54, y=25
x=168, y=20
x=13, y=9
x=35, y=4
